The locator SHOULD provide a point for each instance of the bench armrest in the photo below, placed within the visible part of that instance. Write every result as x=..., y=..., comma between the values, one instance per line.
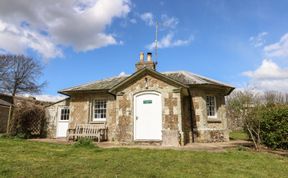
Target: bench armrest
x=71, y=131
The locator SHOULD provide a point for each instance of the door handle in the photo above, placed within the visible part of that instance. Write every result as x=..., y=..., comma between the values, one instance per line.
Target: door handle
x=136, y=117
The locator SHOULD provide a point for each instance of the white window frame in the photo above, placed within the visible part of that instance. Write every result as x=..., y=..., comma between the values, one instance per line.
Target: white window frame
x=94, y=109
x=208, y=108
x=65, y=115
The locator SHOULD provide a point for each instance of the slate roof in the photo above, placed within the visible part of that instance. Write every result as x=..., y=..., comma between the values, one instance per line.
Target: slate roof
x=183, y=77
x=4, y=103
x=104, y=84
x=189, y=78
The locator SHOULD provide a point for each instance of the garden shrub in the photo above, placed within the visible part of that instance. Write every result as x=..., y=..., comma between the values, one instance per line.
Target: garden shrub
x=84, y=142
x=22, y=135
x=4, y=135
x=274, y=126
x=29, y=121
x=264, y=117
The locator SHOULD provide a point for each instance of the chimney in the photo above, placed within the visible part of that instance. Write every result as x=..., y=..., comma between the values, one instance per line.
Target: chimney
x=145, y=64
x=149, y=57
x=141, y=57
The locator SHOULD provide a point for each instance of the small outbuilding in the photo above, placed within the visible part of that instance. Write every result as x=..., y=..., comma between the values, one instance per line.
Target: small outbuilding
x=4, y=114
x=58, y=118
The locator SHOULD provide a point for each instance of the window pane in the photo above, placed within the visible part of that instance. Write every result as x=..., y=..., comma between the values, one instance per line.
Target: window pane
x=211, y=105
x=99, y=109
x=64, y=114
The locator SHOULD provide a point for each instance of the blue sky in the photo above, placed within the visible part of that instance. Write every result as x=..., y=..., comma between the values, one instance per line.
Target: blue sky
x=243, y=43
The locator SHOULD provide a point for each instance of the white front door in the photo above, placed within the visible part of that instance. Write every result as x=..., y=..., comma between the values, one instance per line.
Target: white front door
x=148, y=116
x=62, y=122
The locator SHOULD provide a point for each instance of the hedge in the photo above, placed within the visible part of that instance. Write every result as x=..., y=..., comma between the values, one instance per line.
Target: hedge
x=274, y=126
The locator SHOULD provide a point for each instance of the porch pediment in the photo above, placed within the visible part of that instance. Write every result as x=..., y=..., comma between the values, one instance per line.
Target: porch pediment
x=147, y=72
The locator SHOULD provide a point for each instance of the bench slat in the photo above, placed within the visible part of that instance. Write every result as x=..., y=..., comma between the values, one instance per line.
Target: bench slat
x=88, y=130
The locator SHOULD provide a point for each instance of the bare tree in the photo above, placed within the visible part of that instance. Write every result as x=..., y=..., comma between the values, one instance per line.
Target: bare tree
x=242, y=108
x=238, y=103
x=274, y=97
x=20, y=75
x=4, y=66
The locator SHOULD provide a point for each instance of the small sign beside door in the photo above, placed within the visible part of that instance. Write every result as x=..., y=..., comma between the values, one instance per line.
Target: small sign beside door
x=147, y=102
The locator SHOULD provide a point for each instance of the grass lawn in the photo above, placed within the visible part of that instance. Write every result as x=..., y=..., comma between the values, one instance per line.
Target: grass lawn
x=21, y=158
x=238, y=135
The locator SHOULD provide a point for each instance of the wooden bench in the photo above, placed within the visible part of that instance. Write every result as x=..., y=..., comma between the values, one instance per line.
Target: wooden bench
x=92, y=131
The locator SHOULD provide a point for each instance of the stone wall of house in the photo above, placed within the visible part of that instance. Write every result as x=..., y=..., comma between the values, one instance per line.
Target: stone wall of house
x=52, y=114
x=111, y=118
x=81, y=113
x=79, y=109
x=187, y=108
x=177, y=110
x=209, y=129
x=171, y=112
x=4, y=112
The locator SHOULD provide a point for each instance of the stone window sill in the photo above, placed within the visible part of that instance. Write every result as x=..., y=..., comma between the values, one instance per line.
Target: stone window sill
x=97, y=122
x=211, y=120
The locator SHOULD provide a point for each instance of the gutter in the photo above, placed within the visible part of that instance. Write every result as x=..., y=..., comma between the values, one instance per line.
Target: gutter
x=69, y=93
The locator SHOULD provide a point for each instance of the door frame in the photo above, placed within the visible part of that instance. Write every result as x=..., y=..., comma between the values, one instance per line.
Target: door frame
x=134, y=113
x=58, y=117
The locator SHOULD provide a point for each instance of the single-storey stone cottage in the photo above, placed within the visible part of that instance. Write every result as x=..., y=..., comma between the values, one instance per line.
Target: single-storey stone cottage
x=170, y=108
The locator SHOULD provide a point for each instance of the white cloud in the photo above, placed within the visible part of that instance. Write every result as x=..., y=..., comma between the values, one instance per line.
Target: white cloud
x=165, y=21
x=268, y=70
x=122, y=74
x=269, y=76
x=168, y=22
x=168, y=42
x=13, y=39
x=279, y=49
x=259, y=40
x=45, y=25
x=148, y=18
x=48, y=98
